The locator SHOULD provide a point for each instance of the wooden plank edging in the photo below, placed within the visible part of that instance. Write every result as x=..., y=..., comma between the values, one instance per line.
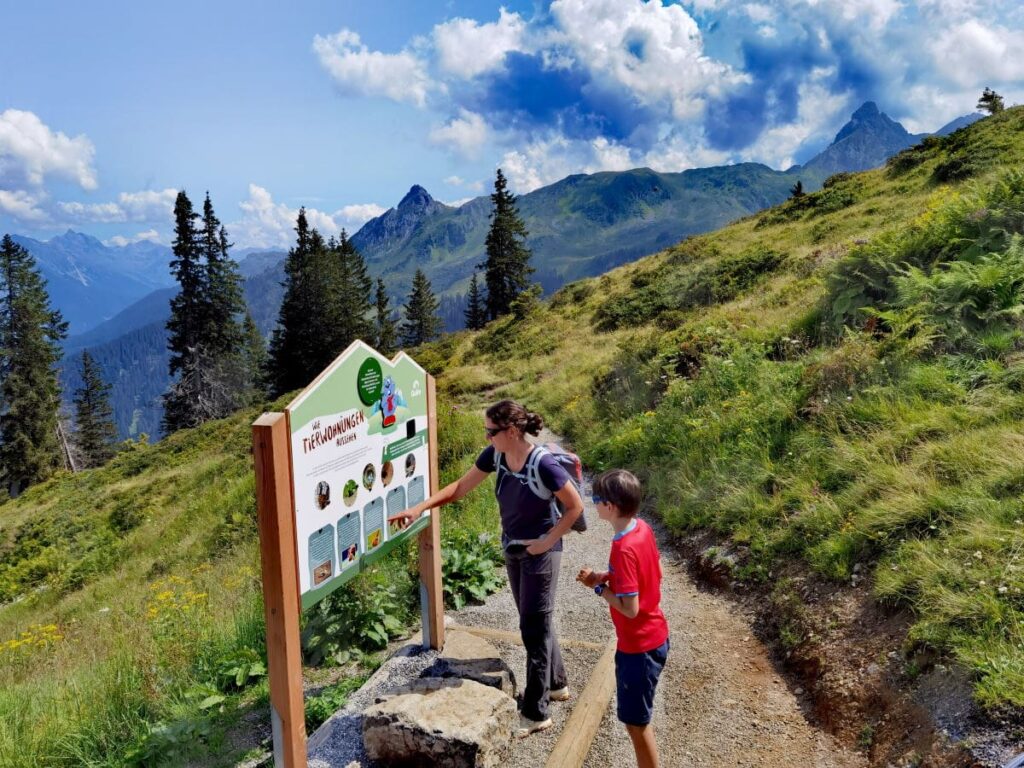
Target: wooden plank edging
x=580, y=729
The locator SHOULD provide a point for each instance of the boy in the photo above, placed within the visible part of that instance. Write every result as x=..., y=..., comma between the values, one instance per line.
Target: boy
x=632, y=588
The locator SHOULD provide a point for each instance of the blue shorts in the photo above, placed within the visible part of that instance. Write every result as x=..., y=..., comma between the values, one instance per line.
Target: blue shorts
x=636, y=677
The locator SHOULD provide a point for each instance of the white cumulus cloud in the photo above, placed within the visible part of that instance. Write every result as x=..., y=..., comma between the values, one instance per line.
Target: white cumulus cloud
x=358, y=71
x=268, y=224
x=466, y=134
x=147, y=205
x=22, y=205
x=655, y=51
x=119, y=241
x=466, y=48
x=30, y=151
x=971, y=52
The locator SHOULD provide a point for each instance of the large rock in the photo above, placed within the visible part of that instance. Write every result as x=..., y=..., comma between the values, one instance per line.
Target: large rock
x=447, y=723
x=473, y=658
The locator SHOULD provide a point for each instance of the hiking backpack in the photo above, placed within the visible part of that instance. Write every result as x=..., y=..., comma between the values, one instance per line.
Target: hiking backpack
x=530, y=473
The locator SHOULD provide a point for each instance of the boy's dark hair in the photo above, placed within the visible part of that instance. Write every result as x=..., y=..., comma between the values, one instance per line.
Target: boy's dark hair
x=621, y=488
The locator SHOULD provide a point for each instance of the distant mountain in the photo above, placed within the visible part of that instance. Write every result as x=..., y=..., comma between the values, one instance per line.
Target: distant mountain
x=135, y=365
x=580, y=226
x=256, y=262
x=90, y=282
x=961, y=122
x=866, y=141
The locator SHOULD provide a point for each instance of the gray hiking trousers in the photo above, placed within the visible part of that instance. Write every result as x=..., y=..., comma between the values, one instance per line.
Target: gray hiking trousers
x=533, y=579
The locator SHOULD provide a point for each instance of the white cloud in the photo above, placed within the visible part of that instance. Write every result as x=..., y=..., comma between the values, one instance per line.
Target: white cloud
x=653, y=50
x=759, y=12
x=465, y=48
x=354, y=216
x=458, y=203
x=970, y=53
x=147, y=205
x=358, y=71
x=266, y=224
x=30, y=151
x=458, y=181
x=547, y=160
x=22, y=205
x=466, y=134
x=119, y=241
x=818, y=112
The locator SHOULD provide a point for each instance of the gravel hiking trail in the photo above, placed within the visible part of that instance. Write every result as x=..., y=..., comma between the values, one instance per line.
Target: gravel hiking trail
x=720, y=702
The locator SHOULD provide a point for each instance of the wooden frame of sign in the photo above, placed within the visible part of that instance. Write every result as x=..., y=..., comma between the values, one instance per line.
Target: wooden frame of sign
x=295, y=578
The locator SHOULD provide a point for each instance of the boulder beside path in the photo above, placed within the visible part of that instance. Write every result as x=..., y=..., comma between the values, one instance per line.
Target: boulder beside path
x=444, y=722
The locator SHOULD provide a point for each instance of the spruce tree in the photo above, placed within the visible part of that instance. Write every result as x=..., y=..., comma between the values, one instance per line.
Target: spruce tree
x=30, y=337
x=188, y=314
x=254, y=357
x=507, y=268
x=348, y=308
x=421, y=322
x=476, y=307
x=206, y=335
x=991, y=102
x=291, y=343
x=386, y=338
x=96, y=434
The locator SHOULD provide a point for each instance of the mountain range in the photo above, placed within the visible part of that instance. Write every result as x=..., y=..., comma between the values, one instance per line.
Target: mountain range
x=582, y=225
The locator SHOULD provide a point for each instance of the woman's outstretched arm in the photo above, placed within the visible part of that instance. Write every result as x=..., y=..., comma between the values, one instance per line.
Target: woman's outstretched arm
x=451, y=492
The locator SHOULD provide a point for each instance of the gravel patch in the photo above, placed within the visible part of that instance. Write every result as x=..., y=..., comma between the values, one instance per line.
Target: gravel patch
x=720, y=701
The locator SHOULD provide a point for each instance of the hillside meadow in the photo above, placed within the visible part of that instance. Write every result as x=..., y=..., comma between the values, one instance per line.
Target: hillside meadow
x=837, y=383
x=131, y=616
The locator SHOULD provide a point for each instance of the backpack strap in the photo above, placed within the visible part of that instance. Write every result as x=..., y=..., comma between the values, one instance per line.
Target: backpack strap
x=530, y=472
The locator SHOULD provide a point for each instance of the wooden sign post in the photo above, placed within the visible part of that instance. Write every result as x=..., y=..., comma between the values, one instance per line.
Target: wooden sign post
x=366, y=430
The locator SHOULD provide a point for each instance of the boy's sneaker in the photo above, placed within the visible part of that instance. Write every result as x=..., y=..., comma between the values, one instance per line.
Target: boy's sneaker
x=528, y=726
x=559, y=694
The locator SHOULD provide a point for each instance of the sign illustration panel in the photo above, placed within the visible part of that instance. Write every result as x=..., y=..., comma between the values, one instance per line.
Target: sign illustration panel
x=359, y=452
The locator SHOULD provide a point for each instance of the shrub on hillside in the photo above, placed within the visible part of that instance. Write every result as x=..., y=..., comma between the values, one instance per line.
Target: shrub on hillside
x=711, y=283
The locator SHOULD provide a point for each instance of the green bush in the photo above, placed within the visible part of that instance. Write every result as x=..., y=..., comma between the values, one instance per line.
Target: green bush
x=470, y=568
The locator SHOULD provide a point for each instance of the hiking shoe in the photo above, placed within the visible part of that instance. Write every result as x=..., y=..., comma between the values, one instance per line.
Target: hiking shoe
x=528, y=726
x=559, y=694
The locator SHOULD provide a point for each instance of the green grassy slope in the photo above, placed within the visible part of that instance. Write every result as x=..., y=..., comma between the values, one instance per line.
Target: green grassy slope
x=836, y=381
x=131, y=619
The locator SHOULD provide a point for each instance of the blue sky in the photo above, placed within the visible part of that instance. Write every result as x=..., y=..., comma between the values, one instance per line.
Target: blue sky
x=107, y=108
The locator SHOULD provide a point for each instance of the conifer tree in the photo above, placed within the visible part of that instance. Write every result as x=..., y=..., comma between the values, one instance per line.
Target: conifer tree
x=188, y=314
x=991, y=102
x=507, y=268
x=386, y=339
x=421, y=322
x=30, y=337
x=347, y=306
x=292, y=342
x=476, y=307
x=222, y=298
x=205, y=326
x=96, y=434
x=254, y=358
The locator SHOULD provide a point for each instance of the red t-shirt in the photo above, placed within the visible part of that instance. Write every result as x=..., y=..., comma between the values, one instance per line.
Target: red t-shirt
x=635, y=569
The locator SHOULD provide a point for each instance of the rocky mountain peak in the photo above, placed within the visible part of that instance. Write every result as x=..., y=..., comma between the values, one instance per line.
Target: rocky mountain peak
x=416, y=198
x=869, y=118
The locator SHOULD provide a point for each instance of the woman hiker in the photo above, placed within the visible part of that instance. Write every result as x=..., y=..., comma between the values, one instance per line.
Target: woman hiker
x=531, y=537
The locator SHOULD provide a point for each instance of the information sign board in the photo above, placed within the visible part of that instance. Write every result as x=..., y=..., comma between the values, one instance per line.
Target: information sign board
x=359, y=453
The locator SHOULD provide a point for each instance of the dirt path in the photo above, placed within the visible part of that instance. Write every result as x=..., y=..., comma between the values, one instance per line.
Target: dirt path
x=720, y=702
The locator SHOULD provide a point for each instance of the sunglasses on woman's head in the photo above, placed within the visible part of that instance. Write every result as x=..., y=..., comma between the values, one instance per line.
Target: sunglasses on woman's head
x=492, y=431
x=598, y=499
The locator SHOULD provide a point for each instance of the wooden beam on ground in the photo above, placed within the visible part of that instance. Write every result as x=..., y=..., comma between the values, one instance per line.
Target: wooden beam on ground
x=578, y=734
x=503, y=636
x=431, y=591
x=270, y=442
